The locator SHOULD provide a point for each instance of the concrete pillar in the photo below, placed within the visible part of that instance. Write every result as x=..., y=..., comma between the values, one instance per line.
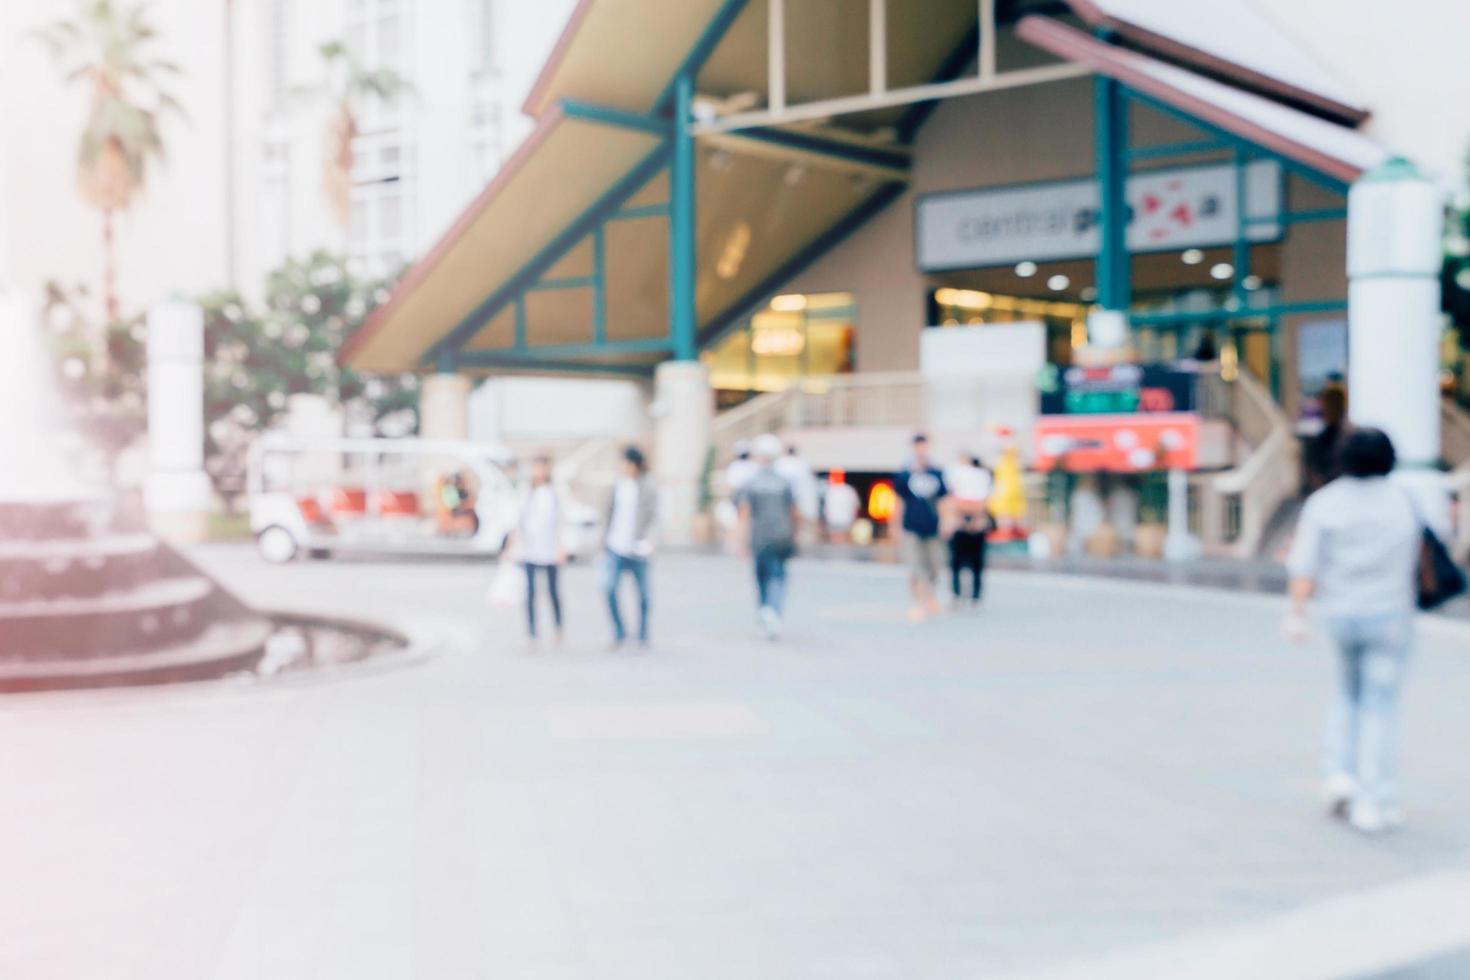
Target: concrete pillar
x=178, y=494
x=683, y=410
x=1395, y=229
x=444, y=406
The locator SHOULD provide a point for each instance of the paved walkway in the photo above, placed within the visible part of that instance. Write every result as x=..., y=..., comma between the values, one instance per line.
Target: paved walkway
x=1086, y=779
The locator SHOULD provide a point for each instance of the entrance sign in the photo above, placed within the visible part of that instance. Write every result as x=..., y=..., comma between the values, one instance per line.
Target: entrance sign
x=1187, y=207
x=1117, y=443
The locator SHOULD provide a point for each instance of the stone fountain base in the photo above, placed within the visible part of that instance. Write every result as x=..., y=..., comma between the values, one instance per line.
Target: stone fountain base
x=89, y=599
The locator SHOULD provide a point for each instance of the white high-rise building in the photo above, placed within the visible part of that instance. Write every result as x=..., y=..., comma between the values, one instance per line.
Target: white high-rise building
x=416, y=160
x=242, y=188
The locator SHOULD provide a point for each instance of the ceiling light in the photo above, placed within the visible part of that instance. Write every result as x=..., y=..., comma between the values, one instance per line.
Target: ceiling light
x=789, y=303
x=1222, y=270
x=1025, y=269
x=1058, y=283
x=1192, y=256
x=1251, y=282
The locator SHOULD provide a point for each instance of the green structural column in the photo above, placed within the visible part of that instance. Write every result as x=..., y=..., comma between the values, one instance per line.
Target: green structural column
x=1241, y=252
x=682, y=314
x=1110, y=118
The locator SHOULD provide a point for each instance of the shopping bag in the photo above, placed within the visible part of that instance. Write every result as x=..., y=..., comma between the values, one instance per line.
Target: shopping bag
x=508, y=586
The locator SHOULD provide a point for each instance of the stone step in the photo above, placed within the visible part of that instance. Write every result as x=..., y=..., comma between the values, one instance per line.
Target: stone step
x=159, y=613
x=75, y=567
x=220, y=649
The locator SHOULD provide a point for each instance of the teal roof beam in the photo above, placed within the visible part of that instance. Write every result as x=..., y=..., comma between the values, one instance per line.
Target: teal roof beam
x=620, y=118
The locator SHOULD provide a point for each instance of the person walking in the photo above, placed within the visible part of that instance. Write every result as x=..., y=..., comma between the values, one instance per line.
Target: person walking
x=1355, y=556
x=969, y=484
x=740, y=469
x=727, y=515
x=797, y=472
x=538, y=540
x=920, y=489
x=769, y=519
x=629, y=542
x=840, y=506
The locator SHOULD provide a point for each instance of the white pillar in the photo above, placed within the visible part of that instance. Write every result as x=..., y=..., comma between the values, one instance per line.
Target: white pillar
x=1179, y=544
x=444, y=406
x=1395, y=230
x=683, y=410
x=178, y=493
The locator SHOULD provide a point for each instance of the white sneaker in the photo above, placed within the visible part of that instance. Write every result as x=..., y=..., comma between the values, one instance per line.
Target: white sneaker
x=1369, y=820
x=770, y=623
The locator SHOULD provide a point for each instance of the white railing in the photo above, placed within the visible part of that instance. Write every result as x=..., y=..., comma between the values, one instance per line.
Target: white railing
x=1457, y=484
x=1454, y=433
x=587, y=473
x=873, y=399
x=1237, y=506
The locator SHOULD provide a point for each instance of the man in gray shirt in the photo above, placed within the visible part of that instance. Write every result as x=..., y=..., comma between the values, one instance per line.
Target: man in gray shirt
x=768, y=523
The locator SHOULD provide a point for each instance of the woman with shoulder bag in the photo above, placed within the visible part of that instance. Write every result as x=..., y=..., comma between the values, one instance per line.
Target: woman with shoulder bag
x=1357, y=555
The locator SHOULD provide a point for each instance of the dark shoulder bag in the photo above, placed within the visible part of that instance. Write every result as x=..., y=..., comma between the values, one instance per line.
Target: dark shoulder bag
x=1437, y=579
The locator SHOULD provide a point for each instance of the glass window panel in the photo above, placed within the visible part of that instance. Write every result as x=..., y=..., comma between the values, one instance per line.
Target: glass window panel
x=390, y=216
x=390, y=43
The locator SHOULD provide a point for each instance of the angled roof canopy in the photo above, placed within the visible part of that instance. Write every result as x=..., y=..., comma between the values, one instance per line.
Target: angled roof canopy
x=622, y=53
x=1324, y=146
x=1231, y=39
x=565, y=166
x=566, y=253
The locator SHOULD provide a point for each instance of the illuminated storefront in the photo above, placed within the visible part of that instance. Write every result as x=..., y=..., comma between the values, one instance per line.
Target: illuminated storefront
x=795, y=336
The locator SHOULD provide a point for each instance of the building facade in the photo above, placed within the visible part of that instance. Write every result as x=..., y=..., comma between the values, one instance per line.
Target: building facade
x=242, y=188
x=765, y=191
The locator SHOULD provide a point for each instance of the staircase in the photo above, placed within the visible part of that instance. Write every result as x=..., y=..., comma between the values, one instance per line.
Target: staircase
x=876, y=399
x=1237, y=507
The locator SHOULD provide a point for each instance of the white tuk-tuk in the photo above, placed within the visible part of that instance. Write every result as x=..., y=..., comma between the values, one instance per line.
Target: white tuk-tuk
x=317, y=497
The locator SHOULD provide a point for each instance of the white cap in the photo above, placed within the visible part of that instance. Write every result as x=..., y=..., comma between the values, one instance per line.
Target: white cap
x=766, y=447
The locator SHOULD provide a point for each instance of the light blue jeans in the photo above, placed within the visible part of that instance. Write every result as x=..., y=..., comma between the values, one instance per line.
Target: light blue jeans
x=613, y=567
x=1363, y=727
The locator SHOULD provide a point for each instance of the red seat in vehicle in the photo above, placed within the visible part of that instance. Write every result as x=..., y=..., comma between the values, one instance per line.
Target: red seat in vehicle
x=311, y=511
x=348, y=501
x=397, y=503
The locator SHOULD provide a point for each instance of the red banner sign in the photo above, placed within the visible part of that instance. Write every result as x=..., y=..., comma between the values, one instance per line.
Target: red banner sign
x=1118, y=443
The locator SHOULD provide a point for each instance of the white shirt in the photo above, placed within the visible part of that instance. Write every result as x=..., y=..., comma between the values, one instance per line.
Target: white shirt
x=840, y=507
x=622, y=527
x=540, y=527
x=1359, y=540
x=969, y=483
x=737, y=473
x=803, y=484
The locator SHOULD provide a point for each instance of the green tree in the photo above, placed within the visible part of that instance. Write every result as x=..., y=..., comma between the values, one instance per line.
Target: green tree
x=109, y=407
x=347, y=84
x=108, y=47
x=257, y=357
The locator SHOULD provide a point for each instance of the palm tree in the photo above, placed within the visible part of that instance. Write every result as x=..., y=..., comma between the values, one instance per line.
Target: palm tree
x=347, y=83
x=107, y=46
